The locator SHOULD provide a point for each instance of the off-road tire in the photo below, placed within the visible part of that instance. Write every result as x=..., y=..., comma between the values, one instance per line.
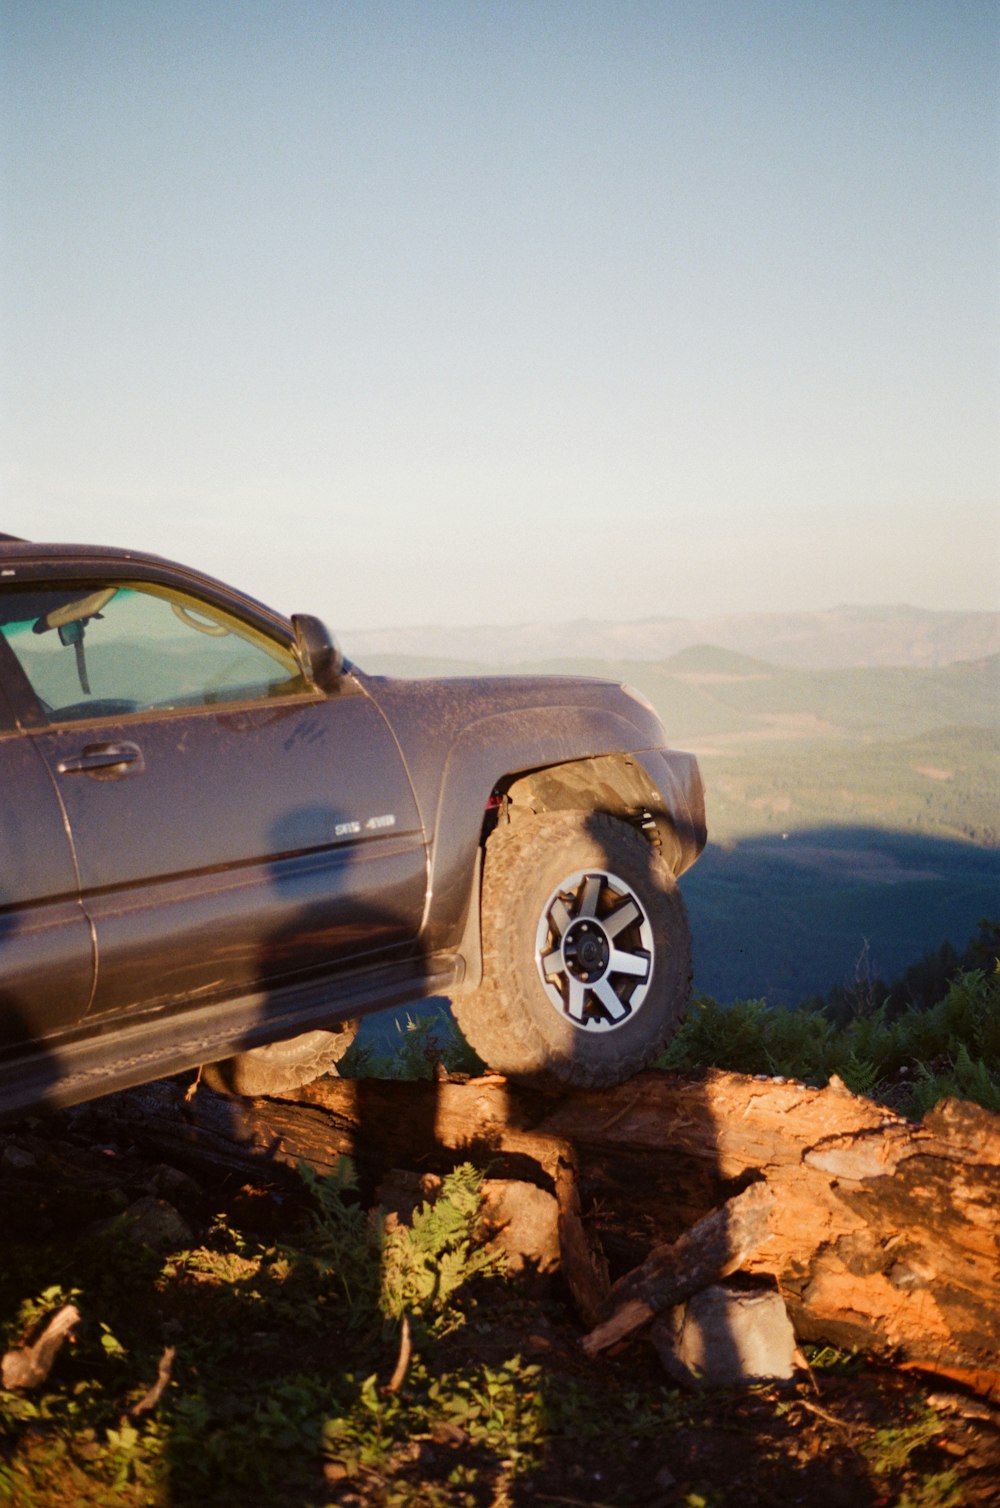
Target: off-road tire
x=278, y=1067
x=542, y=867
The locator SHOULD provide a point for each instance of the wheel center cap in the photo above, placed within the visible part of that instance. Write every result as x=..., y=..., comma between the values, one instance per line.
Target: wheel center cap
x=586, y=950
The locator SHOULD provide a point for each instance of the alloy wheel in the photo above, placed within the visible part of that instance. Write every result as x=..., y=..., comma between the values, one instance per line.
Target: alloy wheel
x=594, y=951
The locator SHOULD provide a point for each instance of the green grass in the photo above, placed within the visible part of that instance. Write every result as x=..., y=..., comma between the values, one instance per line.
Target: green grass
x=423, y=1044
x=263, y=1397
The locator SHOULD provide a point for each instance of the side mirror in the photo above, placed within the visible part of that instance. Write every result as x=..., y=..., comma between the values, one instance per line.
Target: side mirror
x=320, y=655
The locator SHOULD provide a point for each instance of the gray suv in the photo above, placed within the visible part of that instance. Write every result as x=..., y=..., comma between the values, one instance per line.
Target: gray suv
x=221, y=844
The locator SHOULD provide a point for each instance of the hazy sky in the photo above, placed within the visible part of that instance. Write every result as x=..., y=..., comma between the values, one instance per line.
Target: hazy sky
x=464, y=312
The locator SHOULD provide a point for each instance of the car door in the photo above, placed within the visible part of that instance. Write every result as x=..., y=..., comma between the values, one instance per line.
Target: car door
x=234, y=828
x=46, y=948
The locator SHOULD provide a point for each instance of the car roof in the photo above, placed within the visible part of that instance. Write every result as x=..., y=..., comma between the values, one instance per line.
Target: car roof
x=14, y=544
x=43, y=552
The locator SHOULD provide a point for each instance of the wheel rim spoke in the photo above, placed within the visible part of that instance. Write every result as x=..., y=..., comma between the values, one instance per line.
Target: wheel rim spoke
x=635, y=964
x=559, y=916
x=577, y=999
x=609, y=999
x=590, y=895
x=621, y=917
x=552, y=964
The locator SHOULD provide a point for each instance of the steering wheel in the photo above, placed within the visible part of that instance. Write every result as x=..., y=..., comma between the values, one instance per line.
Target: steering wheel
x=217, y=630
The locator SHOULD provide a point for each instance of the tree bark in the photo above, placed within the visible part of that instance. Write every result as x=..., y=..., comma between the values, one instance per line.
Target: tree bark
x=881, y=1234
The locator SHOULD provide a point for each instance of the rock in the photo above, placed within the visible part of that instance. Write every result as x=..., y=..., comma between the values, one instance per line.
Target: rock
x=18, y=1157
x=153, y=1223
x=524, y=1220
x=727, y=1337
x=172, y=1184
x=402, y=1192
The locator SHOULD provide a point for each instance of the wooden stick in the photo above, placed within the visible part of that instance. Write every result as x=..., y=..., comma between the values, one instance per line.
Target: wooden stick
x=717, y=1245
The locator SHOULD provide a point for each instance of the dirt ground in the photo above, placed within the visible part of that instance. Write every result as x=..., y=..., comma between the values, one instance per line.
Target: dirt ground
x=611, y=1431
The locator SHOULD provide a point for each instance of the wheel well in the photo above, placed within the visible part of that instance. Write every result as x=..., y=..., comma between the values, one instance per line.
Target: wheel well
x=610, y=783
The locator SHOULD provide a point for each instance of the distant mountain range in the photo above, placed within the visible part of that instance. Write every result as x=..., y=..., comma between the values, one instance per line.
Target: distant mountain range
x=838, y=638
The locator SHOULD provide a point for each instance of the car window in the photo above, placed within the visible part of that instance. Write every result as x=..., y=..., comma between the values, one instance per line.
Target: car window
x=108, y=650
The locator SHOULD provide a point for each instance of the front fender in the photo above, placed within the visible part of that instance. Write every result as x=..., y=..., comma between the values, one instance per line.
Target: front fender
x=487, y=751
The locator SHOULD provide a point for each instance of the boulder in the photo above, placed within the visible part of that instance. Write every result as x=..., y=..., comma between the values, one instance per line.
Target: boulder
x=726, y=1337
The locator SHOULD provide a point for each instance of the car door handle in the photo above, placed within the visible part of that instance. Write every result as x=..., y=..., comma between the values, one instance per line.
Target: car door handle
x=104, y=761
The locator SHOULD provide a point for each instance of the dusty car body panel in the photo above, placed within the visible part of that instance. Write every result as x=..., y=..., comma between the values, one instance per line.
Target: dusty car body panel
x=180, y=879
x=224, y=864
x=493, y=729
x=44, y=931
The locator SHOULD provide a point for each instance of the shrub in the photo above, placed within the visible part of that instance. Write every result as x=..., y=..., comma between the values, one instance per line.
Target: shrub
x=912, y=1061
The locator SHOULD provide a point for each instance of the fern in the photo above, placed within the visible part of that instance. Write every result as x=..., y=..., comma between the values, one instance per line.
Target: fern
x=860, y=1074
x=340, y=1247
x=952, y=1049
x=424, y=1265
x=974, y=1081
x=718, y=1036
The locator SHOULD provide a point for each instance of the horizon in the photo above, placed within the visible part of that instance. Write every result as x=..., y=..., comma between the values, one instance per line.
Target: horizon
x=651, y=618
x=523, y=312
x=451, y=625
x=875, y=638
x=540, y=619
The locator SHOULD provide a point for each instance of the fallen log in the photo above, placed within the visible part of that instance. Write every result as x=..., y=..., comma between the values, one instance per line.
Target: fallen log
x=718, y=1245
x=583, y=1262
x=881, y=1234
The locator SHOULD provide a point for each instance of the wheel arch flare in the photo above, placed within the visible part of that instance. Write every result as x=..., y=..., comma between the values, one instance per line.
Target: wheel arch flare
x=658, y=792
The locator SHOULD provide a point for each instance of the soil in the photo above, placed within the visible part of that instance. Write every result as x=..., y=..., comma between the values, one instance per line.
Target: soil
x=620, y=1432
